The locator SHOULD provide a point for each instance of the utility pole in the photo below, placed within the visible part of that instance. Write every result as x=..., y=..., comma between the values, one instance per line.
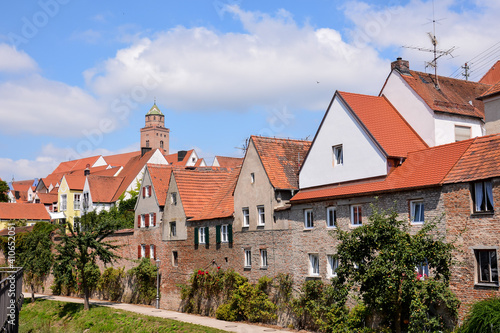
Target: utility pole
x=467, y=73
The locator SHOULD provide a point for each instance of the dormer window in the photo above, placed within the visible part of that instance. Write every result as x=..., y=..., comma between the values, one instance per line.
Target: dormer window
x=338, y=155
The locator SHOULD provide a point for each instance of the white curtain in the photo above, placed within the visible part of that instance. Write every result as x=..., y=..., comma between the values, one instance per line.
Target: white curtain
x=489, y=192
x=479, y=195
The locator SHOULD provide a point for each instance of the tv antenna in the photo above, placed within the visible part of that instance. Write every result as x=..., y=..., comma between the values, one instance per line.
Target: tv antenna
x=437, y=53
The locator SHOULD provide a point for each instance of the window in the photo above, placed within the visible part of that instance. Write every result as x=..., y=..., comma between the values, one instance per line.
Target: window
x=313, y=264
x=422, y=270
x=262, y=215
x=338, y=155
x=175, y=258
x=333, y=264
x=248, y=258
x=76, y=201
x=202, y=235
x=173, y=229
x=252, y=178
x=64, y=202
x=86, y=200
x=173, y=198
x=417, y=211
x=143, y=250
x=462, y=133
x=308, y=218
x=263, y=258
x=331, y=217
x=152, y=251
x=356, y=214
x=246, y=219
x=482, y=196
x=161, y=143
x=143, y=221
x=147, y=143
x=152, y=219
x=224, y=233
x=487, y=266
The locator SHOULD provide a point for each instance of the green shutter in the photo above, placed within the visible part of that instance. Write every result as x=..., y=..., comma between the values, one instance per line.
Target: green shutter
x=230, y=233
x=217, y=234
x=196, y=236
x=206, y=236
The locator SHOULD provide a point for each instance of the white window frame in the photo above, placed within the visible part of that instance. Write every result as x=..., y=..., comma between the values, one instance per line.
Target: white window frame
x=246, y=216
x=492, y=266
x=313, y=264
x=417, y=218
x=338, y=155
x=64, y=202
x=77, y=203
x=152, y=219
x=143, y=250
x=248, y=258
x=143, y=221
x=422, y=270
x=483, y=197
x=359, y=208
x=333, y=264
x=201, y=234
x=263, y=258
x=329, y=222
x=460, y=131
x=151, y=251
x=308, y=218
x=261, y=213
x=224, y=233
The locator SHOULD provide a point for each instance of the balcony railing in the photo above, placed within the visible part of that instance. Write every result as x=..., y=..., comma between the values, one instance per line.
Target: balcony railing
x=11, y=298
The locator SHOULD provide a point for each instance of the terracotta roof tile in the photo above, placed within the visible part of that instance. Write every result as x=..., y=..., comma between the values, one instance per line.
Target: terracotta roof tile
x=492, y=76
x=47, y=198
x=174, y=158
x=103, y=188
x=454, y=96
x=229, y=162
x=395, y=136
x=23, y=211
x=160, y=176
x=79, y=164
x=199, y=192
x=480, y=161
x=22, y=185
x=423, y=168
x=281, y=159
x=120, y=159
x=75, y=182
x=494, y=89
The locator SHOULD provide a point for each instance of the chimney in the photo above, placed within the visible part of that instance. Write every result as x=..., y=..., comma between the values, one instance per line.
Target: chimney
x=403, y=66
x=181, y=154
x=86, y=172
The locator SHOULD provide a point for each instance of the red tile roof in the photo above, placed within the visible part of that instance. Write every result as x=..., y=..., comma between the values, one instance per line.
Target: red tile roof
x=79, y=164
x=203, y=192
x=120, y=159
x=282, y=159
x=106, y=172
x=389, y=129
x=23, y=211
x=22, y=185
x=174, y=158
x=229, y=162
x=160, y=177
x=454, y=96
x=75, y=182
x=480, y=161
x=492, y=76
x=494, y=90
x=103, y=188
x=423, y=168
x=47, y=198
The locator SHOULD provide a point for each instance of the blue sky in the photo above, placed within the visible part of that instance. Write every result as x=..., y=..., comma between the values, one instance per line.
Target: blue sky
x=77, y=77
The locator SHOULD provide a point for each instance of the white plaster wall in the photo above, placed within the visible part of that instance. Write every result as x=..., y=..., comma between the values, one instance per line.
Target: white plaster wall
x=492, y=115
x=411, y=107
x=362, y=158
x=445, y=127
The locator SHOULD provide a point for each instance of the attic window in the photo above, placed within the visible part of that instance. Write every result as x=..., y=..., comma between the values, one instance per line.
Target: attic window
x=338, y=155
x=252, y=177
x=173, y=198
x=462, y=133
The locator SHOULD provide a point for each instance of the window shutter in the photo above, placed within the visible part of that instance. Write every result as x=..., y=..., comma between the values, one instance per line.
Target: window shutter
x=217, y=234
x=230, y=233
x=154, y=220
x=206, y=236
x=196, y=236
x=146, y=217
x=139, y=251
x=138, y=221
x=147, y=251
x=154, y=251
x=144, y=192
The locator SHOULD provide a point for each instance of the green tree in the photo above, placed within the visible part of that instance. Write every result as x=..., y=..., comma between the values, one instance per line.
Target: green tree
x=380, y=258
x=35, y=255
x=79, y=250
x=4, y=188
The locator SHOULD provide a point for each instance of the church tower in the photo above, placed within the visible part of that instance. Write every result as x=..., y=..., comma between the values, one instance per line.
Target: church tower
x=154, y=134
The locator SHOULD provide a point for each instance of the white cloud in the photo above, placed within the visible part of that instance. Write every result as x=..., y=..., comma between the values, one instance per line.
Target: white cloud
x=12, y=60
x=276, y=62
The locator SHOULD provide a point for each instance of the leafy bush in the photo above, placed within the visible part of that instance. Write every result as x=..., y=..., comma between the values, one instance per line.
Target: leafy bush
x=111, y=283
x=483, y=317
x=145, y=278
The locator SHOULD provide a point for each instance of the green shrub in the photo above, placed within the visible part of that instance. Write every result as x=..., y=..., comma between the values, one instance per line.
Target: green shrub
x=111, y=283
x=225, y=312
x=145, y=277
x=483, y=317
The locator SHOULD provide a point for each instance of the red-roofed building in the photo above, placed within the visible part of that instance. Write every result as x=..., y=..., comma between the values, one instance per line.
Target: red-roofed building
x=31, y=213
x=185, y=158
x=99, y=191
x=227, y=162
x=441, y=110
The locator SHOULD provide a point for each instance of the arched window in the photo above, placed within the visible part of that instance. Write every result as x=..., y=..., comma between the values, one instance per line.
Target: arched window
x=161, y=144
x=147, y=143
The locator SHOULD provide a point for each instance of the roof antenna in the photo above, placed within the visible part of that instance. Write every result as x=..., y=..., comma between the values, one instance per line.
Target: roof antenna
x=434, y=49
x=155, y=100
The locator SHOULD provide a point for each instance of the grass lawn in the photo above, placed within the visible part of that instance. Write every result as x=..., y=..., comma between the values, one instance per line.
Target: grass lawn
x=53, y=316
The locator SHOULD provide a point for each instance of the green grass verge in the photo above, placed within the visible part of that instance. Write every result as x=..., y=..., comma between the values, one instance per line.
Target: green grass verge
x=52, y=316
